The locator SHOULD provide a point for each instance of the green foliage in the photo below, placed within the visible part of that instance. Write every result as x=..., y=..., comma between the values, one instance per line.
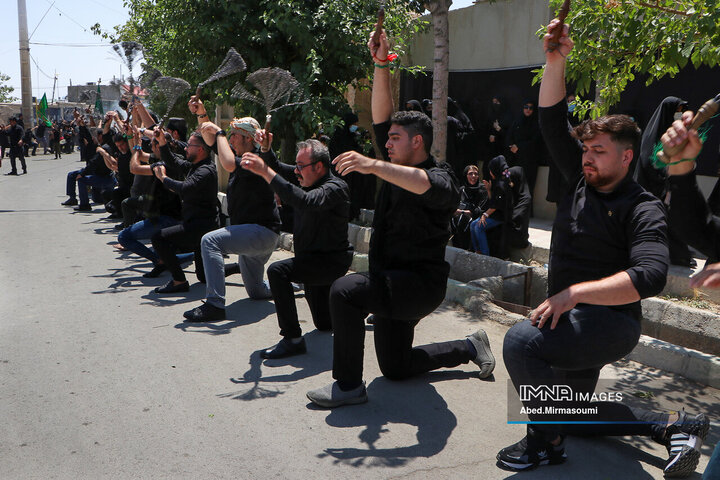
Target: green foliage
x=617, y=39
x=6, y=90
x=322, y=43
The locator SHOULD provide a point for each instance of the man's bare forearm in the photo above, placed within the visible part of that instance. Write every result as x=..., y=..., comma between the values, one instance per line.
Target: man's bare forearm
x=616, y=289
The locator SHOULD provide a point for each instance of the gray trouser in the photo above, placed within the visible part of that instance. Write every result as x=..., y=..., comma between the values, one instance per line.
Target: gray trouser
x=253, y=244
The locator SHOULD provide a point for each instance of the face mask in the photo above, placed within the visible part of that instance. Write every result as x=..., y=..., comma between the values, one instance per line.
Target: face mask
x=353, y=128
x=677, y=116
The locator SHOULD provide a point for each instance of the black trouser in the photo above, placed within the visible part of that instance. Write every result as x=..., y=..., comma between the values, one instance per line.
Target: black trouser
x=316, y=273
x=585, y=339
x=399, y=299
x=182, y=238
x=119, y=194
x=17, y=152
x=130, y=208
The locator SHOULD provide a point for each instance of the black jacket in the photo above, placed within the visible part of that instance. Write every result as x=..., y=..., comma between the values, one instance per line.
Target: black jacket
x=321, y=211
x=198, y=190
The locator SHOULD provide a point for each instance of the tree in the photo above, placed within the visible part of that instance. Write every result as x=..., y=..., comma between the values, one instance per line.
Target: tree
x=616, y=40
x=6, y=90
x=441, y=33
x=322, y=43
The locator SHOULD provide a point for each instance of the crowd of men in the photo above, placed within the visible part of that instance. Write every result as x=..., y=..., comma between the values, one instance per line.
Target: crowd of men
x=609, y=247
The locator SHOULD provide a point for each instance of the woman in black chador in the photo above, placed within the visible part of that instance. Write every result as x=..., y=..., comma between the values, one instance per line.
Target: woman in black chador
x=473, y=198
x=524, y=143
x=508, y=207
x=655, y=180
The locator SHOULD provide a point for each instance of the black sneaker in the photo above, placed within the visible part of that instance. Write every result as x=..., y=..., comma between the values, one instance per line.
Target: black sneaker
x=683, y=441
x=205, y=313
x=70, y=202
x=83, y=208
x=531, y=452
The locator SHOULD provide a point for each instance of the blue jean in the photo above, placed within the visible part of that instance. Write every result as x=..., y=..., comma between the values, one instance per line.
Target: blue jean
x=253, y=244
x=585, y=339
x=712, y=471
x=478, y=236
x=144, y=230
x=99, y=181
x=70, y=185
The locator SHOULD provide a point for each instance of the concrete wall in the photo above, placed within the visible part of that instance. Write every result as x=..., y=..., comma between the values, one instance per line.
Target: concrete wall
x=490, y=36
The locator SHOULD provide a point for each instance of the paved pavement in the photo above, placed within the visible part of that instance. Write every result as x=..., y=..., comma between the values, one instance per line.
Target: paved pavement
x=100, y=378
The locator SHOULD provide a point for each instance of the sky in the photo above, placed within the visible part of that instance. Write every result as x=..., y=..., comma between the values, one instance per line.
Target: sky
x=62, y=44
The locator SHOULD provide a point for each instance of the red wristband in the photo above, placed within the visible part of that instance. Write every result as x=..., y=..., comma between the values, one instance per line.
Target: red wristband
x=389, y=58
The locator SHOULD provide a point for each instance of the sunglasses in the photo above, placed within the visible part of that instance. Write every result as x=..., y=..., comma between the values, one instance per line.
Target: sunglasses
x=528, y=107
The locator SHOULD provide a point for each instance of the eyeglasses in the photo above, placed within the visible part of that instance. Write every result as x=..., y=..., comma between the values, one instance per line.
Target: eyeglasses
x=300, y=167
x=472, y=174
x=193, y=145
x=528, y=107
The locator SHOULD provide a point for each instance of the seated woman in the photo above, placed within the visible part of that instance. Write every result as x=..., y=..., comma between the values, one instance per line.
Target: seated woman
x=473, y=197
x=508, y=205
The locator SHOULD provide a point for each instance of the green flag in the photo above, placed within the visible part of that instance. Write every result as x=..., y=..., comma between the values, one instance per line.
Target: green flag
x=98, y=102
x=42, y=110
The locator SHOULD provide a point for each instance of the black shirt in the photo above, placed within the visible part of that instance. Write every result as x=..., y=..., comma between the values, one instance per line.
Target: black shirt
x=251, y=200
x=125, y=178
x=198, y=191
x=321, y=211
x=16, y=134
x=595, y=234
x=410, y=231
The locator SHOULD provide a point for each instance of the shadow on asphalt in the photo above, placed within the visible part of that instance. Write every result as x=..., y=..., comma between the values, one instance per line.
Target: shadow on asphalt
x=239, y=314
x=415, y=403
x=316, y=361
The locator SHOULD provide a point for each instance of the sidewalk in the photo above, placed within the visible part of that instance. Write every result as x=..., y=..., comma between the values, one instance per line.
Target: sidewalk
x=100, y=378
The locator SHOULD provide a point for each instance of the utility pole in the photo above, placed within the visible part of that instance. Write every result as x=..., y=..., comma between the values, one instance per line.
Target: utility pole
x=54, y=83
x=25, y=79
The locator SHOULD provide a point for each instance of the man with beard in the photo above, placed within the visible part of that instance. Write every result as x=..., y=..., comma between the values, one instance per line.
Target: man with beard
x=199, y=211
x=608, y=251
x=408, y=272
x=254, y=218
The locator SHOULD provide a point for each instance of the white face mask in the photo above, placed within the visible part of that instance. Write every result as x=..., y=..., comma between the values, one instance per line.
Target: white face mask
x=677, y=116
x=353, y=128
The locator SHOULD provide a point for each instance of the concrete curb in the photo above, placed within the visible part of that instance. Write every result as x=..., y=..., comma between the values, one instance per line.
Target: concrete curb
x=691, y=364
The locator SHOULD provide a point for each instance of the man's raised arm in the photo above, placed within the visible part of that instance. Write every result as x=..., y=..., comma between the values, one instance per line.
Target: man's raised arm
x=382, y=102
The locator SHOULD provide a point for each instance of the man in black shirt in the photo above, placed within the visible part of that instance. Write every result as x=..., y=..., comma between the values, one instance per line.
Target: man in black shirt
x=254, y=218
x=199, y=211
x=16, y=132
x=608, y=250
x=322, y=252
x=408, y=272
x=119, y=160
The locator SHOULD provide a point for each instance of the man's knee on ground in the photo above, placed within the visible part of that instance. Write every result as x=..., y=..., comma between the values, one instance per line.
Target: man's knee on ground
x=393, y=371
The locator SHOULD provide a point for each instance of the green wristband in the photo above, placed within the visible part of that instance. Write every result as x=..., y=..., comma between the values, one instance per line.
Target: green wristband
x=377, y=65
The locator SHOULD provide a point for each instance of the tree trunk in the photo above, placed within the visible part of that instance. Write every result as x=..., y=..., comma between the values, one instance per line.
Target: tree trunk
x=441, y=32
